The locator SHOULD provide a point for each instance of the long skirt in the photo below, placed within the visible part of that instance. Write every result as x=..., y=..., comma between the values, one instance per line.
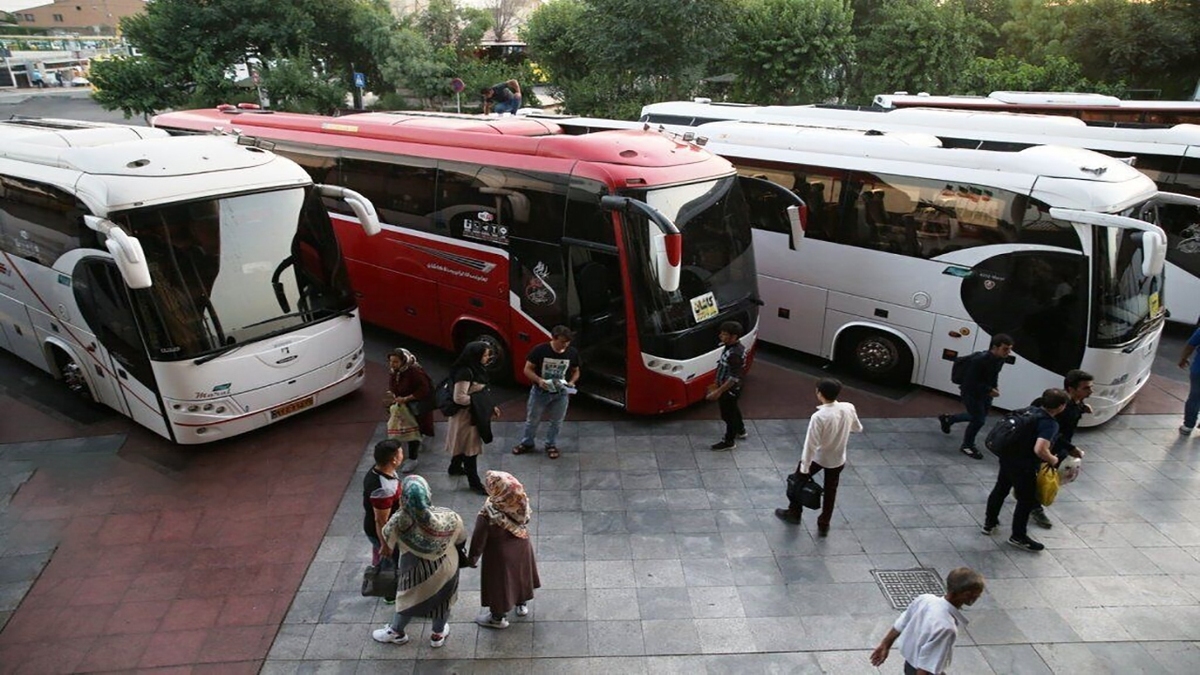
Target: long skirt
x=427, y=588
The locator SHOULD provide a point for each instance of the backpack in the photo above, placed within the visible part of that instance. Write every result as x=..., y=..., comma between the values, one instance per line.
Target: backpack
x=443, y=397
x=1014, y=433
x=958, y=371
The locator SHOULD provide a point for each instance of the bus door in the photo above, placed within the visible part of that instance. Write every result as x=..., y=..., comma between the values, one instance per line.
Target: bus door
x=596, y=307
x=128, y=385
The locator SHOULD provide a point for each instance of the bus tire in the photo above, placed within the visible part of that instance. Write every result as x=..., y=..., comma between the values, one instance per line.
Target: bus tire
x=500, y=369
x=71, y=375
x=876, y=355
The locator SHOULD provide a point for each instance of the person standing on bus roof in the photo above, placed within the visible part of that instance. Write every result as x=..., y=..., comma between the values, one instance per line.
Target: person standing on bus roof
x=1192, y=407
x=553, y=369
x=728, y=387
x=980, y=384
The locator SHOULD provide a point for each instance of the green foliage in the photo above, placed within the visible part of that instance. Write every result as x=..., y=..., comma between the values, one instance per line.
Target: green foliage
x=292, y=87
x=608, y=57
x=1035, y=30
x=1008, y=73
x=916, y=45
x=135, y=85
x=790, y=51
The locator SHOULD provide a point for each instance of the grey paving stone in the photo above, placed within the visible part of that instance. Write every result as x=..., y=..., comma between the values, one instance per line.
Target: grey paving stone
x=658, y=573
x=670, y=636
x=612, y=604
x=615, y=638
x=560, y=638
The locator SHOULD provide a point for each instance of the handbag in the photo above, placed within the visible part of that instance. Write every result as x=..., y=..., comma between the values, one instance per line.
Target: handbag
x=1047, y=485
x=380, y=581
x=807, y=493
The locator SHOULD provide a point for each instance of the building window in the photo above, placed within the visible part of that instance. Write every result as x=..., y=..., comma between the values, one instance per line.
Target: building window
x=30, y=17
x=58, y=18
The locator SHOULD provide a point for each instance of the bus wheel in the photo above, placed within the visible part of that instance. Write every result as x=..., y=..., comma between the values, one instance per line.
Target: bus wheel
x=72, y=375
x=500, y=368
x=877, y=356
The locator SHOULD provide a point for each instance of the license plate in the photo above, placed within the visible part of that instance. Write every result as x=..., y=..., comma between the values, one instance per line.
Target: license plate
x=293, y=407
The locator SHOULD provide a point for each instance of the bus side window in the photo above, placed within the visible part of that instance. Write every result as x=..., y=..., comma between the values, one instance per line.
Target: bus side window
x=40, y=222
x=585, y=220
x=401, y=189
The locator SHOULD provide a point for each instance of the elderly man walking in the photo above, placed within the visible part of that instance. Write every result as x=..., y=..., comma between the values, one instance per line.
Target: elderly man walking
x=929, y=627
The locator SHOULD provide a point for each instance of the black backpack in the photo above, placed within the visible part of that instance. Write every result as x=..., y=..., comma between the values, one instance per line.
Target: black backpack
x=958, y=371
x=1015, y=433
x=443, y=397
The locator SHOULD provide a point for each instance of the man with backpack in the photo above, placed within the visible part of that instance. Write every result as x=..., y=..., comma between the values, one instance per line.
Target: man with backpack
x=1023, y=440
x=1078, y=385
x=977, y=376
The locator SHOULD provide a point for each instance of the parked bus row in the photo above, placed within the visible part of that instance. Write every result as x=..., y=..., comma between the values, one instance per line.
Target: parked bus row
x=1095, y=109
x=500, y=229
x=191, y=284
x=916, y=254
x=1170, y=156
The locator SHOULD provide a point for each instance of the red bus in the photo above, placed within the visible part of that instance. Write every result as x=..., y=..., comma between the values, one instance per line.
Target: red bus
x=501, y=228
x=1095, y=109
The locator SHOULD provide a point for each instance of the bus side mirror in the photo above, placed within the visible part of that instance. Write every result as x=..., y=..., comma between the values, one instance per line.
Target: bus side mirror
x=666, y=248
x=797, y=217
x=363, y=209
x=125, y=250
x=1154, y=253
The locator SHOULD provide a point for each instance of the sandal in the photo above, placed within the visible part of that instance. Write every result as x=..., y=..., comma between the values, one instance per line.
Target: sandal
x=522, y=449
x=552, y=452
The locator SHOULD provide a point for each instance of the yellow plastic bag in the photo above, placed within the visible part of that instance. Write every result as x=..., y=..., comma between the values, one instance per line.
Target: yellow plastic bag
x=1047, y=485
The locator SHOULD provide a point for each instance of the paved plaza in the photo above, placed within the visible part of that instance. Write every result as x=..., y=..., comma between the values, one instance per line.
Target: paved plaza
x=658, y=555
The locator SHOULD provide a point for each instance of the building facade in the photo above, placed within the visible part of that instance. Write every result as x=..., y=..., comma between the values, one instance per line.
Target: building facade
x=91, y=17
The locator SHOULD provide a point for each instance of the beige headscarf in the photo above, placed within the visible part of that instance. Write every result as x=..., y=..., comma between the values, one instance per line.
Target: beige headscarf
x=507, y=504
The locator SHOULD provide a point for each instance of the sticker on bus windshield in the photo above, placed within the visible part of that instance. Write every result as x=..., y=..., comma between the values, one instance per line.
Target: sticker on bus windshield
x=483, y=228
x=1153, y=304
x=704, y=307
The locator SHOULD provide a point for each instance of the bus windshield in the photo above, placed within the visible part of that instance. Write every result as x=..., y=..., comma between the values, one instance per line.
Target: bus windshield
x=1126, y=300
x=717, y=258
x=232, y=270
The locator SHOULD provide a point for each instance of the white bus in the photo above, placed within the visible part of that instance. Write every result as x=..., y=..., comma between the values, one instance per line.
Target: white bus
x=192, y=284
x=1093, y=108
x=916, y=254
x=1170, y=156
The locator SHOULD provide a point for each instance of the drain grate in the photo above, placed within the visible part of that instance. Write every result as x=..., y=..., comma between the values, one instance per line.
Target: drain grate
x=901, y=586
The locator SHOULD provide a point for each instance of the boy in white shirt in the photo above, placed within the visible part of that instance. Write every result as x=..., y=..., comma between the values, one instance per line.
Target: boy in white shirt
x=829, y=431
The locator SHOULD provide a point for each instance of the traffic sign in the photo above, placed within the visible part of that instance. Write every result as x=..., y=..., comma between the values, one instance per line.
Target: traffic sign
x=457, y=85
x=360, y=80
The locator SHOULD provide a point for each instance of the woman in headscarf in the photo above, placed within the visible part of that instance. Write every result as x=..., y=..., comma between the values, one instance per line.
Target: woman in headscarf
x=470, y=427
x=410, y=404
x=428, y=538
x=501, y=538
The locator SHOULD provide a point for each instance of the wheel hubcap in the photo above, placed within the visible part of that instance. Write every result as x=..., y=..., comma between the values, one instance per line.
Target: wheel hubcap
x=877, y=355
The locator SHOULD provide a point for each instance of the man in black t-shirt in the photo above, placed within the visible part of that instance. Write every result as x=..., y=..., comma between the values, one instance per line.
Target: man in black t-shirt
x=979, y=386
x=381, y=496
x=553, y=369
x=1018, y=473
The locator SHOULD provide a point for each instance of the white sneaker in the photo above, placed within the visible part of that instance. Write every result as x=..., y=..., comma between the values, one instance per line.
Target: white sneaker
x=487, y=621
x=1185, y=430
x=522, y=610
x=388, y=636
x=408, y=466
x=437, y=640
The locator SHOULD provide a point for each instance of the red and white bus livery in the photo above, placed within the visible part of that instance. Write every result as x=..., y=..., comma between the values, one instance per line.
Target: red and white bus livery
x=501, y=228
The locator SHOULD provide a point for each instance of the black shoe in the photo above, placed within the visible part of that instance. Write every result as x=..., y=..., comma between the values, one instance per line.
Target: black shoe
x=822, y=531
x=944, y=420
x=478, y=489
x=989, y=530
x=456, y=469
x=742, y=435
x=787, y=516
x=724, y=445
x=1026, y=543
x=1039, y=517
x=973, y=453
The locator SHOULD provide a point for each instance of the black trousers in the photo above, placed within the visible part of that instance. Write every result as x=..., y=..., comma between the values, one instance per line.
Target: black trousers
x=833, y=477
x=731, y=414
x=1021, y=478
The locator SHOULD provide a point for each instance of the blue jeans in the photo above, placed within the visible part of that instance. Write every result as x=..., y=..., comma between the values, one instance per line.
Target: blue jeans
x=975, y=416
x=553, y=405
x=1192, y=406
x=510, y=106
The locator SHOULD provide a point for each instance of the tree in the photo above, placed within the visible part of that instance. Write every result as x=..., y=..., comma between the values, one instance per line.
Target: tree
x=916, y=45
x=790, y=51
x=504, y=14
x=135, y=85
x=1035, y=30
x=335, y=37
x=1008, y=73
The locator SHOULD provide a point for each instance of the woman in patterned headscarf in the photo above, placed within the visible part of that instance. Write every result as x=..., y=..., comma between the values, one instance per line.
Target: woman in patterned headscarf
x=428, y=538
x=501, y=537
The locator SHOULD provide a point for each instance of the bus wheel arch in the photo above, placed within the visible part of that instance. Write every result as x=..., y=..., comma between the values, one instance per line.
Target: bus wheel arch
x=875, y=353
x=500, y=369
x=67, y=369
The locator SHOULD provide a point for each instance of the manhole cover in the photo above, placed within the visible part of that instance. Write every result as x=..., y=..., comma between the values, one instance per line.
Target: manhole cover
x=901, y=586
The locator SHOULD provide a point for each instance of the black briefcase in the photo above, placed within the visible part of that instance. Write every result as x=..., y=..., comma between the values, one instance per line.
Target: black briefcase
x=804, y=490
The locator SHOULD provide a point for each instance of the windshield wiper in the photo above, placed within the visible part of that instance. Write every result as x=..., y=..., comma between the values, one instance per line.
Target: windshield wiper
x=279, y=331
x=220, y=351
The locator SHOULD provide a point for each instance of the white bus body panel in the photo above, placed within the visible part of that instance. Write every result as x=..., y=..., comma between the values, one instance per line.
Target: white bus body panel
x=1182, y=295
x=263, y=382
